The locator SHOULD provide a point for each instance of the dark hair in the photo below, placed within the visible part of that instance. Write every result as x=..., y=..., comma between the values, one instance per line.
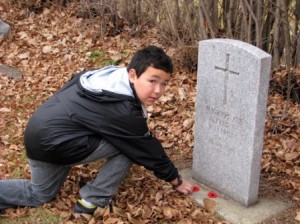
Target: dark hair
x=150, y=56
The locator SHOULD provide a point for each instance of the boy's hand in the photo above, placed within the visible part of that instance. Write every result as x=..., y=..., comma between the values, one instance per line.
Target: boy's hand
x=185, y=188
x=182, y=186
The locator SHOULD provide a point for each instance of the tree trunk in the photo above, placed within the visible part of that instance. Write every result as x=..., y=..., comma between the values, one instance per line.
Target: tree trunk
x=205, y=9
x=202, y=29
x=276, y=47
x=268, y=26
x=287, y=45
x=297, y=53
x=259, y=16
x=229, y=19
x=244, y=24
x=188, y=21
x=296, y=45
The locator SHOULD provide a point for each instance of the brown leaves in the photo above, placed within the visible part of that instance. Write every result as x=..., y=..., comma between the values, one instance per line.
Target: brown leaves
x=297, y=215
x=50, y=47
x=143, y=199
x=282, y=145
x=291, y=156
x=281, y=152
x=149, y=204
x=4, y=110
x=172, y=118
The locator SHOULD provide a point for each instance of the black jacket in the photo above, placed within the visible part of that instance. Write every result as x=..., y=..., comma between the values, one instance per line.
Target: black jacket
x=69, y=126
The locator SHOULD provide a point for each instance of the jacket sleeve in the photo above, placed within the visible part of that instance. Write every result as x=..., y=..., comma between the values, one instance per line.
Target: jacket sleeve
x=130, y=135
x=146, y=151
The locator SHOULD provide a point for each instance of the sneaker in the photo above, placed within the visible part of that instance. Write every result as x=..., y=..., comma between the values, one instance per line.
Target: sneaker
x=81, y=208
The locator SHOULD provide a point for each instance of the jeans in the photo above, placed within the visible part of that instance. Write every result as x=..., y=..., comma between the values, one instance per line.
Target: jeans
x=47, y=179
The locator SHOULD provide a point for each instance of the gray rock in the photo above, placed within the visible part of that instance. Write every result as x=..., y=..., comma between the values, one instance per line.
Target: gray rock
x=4, y=29
x=11, y=72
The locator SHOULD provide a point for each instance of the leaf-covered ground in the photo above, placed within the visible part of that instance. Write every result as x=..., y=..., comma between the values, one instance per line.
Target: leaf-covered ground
x=51, y=46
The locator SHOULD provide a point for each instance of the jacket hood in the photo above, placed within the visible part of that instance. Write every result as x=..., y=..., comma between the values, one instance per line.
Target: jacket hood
x=108, y=84
x=112, y=79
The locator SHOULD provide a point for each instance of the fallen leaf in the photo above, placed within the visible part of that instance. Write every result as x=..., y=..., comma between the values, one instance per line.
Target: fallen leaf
x=167, y=211
x=23, y=35
x=4, y=110
x=133, y=220
x=24, y=55
x=167, y=144
x=182, y=94
x=158, y=196
x=92, y=221
x=111, y=220
x=297, y=214
x=291, y=156
x=46, y=49
x=188, y=123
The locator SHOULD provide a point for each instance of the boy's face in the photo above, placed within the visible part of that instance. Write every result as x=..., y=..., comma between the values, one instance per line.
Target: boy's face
x=150, y=85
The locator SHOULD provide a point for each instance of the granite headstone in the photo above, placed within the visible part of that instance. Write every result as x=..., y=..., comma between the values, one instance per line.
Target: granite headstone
x=232, y=91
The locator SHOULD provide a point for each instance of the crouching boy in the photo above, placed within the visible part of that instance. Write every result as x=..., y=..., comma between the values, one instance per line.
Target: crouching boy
x=97, y=114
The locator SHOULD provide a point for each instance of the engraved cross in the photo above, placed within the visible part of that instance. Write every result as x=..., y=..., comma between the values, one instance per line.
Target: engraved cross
x=226, y=71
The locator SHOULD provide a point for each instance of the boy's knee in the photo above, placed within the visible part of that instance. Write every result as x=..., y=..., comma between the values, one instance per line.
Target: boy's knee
x=43, y=198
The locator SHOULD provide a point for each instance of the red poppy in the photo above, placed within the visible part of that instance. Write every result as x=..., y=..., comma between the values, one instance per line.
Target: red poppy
x=212, y=194
x=196, y=189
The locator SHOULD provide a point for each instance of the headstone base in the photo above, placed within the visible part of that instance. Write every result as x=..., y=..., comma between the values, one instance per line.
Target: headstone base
x=234, y=212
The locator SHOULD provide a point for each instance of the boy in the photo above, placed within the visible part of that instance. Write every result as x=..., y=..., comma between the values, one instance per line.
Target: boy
x=98, y=114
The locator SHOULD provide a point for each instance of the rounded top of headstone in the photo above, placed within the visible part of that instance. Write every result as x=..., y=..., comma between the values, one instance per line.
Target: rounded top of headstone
x=239, y=44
